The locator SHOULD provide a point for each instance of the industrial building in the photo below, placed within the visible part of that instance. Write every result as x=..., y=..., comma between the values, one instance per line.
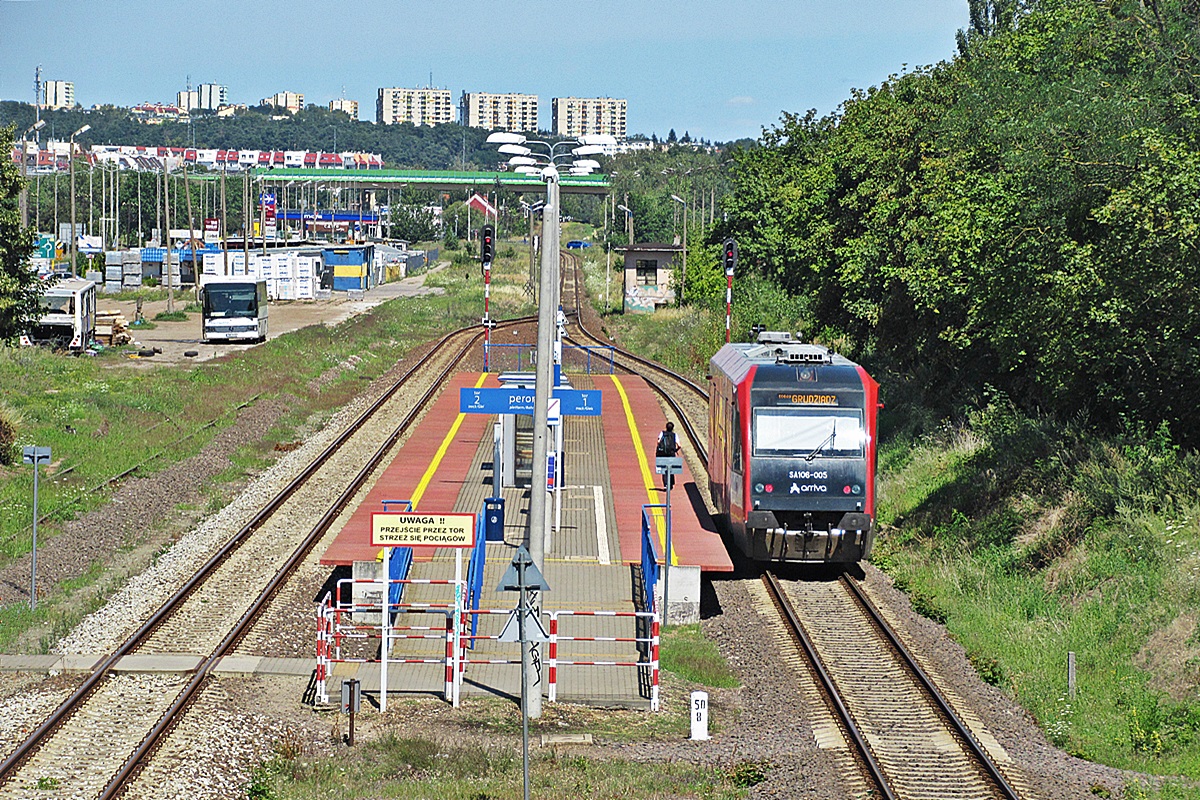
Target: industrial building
x=415, y=106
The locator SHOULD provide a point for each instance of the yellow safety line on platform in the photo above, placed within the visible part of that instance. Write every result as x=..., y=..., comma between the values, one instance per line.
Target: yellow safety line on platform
x=441, y=451
x=647, y=475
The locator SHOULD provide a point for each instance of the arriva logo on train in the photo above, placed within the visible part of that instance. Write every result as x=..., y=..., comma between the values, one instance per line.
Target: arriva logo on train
x=807, y=488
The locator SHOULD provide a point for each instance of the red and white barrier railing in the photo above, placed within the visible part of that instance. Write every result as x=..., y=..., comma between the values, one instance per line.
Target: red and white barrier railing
x=335, y=622
x=650, y=642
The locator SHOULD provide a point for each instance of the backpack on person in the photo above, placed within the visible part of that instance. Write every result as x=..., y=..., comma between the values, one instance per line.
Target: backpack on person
x=666, y=444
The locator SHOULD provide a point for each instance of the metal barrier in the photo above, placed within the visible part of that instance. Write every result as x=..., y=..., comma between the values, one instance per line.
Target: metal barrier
x=606, y=355
x=587, y=350
x=651, y=642
x=475, y=567
x=650, y=567
x=333, y=627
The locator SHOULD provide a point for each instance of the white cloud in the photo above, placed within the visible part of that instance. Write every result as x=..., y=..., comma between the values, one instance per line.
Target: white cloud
x=740, y=100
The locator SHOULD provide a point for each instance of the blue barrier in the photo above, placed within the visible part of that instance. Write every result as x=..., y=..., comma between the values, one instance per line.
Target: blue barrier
x=650, y=567
x=588, y=349
x=475, y=568
x=401, y=560
x=605, y=357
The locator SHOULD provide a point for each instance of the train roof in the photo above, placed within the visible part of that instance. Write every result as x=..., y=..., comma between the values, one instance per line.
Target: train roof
x=776, y=356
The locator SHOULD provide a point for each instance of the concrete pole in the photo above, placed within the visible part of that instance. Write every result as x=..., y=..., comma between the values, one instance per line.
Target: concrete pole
x=538, y=507
x=71, y=157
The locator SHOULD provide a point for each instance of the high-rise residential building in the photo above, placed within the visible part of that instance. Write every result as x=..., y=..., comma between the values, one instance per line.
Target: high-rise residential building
x=292, y=101
x=417, y=106
x=187, y=100
x=580, y=116
x=348, y=106
x=59, y=94
x=213, y=95
x=504, y=112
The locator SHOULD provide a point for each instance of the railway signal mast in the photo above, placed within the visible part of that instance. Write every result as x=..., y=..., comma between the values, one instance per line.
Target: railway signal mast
x=488, y=252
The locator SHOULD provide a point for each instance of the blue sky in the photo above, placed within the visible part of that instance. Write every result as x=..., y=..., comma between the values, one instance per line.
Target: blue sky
x=719, y=70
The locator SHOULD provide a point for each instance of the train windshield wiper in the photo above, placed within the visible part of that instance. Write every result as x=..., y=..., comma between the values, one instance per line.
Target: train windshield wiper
x=828, y=440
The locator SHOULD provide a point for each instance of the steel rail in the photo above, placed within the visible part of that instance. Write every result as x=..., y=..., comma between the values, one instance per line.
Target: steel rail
x=944, y=707
x=775, y=590
x=700, y=449
x=24, y=750
x=132, y=764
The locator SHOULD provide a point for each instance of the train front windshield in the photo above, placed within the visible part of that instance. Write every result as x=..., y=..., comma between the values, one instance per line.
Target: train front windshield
x=220, y=302
x=809, y=433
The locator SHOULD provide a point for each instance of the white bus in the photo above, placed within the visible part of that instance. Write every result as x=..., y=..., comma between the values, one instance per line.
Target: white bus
x=68, y=316
x=234, y=309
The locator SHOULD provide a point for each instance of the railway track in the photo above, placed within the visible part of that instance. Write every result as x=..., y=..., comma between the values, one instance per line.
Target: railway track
x=910, y=741
x=98, y=739
x=686, y=398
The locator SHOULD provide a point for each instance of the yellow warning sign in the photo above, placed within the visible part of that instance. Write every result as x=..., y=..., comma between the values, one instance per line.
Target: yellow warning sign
x=402, y=529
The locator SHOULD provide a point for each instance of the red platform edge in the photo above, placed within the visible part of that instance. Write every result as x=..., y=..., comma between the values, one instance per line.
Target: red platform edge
x=694, y=537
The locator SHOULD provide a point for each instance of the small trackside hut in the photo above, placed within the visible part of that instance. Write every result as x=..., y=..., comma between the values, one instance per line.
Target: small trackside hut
x=792, y=440
x=68, y=318
x=234, y=309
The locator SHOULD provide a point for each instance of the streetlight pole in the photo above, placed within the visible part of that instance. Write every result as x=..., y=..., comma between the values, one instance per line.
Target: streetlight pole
x=41, y=123
x=71, y=156
x=543, y=165
x=683, y=272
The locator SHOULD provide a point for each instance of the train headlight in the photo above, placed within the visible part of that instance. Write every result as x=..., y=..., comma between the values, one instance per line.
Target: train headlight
x=758, y=487
x=856, y=489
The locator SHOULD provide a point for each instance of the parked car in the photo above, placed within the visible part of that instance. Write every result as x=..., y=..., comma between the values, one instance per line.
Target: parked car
x=576, y=244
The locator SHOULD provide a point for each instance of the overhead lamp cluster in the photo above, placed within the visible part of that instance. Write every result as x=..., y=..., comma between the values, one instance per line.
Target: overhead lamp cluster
x=545, y=162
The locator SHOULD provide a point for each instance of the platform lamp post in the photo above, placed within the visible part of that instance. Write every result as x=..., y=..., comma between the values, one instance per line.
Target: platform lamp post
x=35, y=456
x=628, y=220
x=71, y=156
x=37, y=126
x=545, y=162
x=683, y=272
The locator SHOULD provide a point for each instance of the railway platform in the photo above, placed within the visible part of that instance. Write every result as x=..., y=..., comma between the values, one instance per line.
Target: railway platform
x=592, y=557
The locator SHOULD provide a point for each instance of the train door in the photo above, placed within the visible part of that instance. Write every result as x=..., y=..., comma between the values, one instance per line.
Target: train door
x=737, y=468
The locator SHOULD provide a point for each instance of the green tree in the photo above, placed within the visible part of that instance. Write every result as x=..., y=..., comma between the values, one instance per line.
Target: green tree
x=19, y=286
x=1019, y=217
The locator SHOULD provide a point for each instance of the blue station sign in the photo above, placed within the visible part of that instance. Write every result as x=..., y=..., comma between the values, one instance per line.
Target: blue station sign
x=509, y=400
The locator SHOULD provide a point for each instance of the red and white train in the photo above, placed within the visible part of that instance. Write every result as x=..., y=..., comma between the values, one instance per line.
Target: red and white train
x=792, y=450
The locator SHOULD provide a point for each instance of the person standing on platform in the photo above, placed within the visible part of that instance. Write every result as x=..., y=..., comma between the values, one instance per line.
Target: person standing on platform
x=668, y=447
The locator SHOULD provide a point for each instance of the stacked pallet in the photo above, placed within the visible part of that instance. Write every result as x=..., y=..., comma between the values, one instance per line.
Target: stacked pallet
x=112, y=329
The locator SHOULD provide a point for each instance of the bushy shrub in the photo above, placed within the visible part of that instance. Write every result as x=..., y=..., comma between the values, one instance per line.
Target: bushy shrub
x=10, y=425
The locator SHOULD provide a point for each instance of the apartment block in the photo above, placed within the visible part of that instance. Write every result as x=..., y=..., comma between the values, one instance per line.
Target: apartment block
x=59, y=94
x=502, y=112
x=292, y=101
x=348, y=106
x=213, y=95
x=416, y=106
x=187, y=100
x=580, y=116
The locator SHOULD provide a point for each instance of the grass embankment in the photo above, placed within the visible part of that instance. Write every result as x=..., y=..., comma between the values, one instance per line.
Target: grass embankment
x=1028, y=539
x=479, y=753
x=100, y=417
